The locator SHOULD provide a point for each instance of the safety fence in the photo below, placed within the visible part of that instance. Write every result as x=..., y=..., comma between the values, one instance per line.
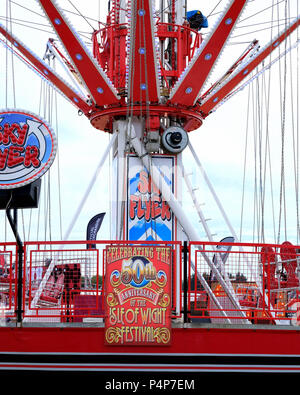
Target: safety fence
x=244, y=283
x=218, y=283
x=8, y=282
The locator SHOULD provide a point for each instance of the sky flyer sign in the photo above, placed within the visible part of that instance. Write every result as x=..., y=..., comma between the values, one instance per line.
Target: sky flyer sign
x=138, y=295
x=149, y=216
x=27, y=148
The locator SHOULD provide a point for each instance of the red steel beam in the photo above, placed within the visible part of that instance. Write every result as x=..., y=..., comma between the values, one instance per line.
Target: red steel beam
x=187, y=89
x=143, y=84
x=97, y=83
x=251, y=48
x=44, y=70
x=207, y=105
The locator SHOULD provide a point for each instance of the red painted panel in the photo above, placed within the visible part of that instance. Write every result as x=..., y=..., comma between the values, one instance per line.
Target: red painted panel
x=92, y=75
x=46, y=72
x=143, y=82
x=187, y=90
x=184, y=340
x=233, y=82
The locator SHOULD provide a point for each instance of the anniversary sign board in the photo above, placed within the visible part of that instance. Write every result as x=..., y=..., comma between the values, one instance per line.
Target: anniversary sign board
x=27, y=148
x=138, y=295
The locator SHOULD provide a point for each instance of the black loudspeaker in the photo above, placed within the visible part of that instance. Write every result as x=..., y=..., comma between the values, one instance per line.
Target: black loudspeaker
x=22, y=197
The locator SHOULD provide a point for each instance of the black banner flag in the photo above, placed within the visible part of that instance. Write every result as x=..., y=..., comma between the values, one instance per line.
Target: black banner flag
x=223, y=254
x=93, y=228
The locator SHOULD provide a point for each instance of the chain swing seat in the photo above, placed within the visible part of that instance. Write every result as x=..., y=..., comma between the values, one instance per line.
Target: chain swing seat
x=249, y=297
x=269, y=266
x=270, y=269
x=289, y=261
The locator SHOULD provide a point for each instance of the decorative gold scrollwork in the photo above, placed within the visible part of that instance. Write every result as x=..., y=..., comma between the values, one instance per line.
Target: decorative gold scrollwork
x=111, y=300
x=161, y=279
x=115, y=278
x=162, y=335
x=164, y=301
x=113, y=335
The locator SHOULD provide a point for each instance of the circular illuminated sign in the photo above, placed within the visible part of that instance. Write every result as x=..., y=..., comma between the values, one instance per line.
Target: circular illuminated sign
x=27, y=148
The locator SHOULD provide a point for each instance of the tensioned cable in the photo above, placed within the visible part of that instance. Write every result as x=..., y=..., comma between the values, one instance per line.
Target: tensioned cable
x=245, y=164
x=256, y=31
x=39, y=206
x=119, y=216
x=248, y=32
x=265, y=103
x=12, y=60
x=260, y=170
x=297, y=142
x=47, y=114
x=263, y=10
x=50, y=116
x=45, y=210
x=86, y=19
x=83, y=34
x=8, y=46
x=23, y=225
x=216, y=6
x=49, y=203
x=283, y=114
x=45, y=184
x=6, y=105
x=295, y=138
x=168, y=6
x=16, y=21
x=141, y=37
x=265, y=159
x=29, y=226
x=262, y=177
x=266, y=164
x=129, y=112
x=255, y=200
x=258, y=160
x=249, y=1
x=99, y=10
x=267, y=142
x=150, y=161
x=262, y=23
x=43, y=16
x=58, y=160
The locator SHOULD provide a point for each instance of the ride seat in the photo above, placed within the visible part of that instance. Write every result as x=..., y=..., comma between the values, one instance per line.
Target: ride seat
x=269, y=263
x=288, y=256
x=249, y=298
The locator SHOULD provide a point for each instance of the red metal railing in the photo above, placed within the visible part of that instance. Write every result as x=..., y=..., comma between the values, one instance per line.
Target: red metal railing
x=8, y=281
x=212, y=282
x=109, y=48
x=259, y=283
x=63, y=282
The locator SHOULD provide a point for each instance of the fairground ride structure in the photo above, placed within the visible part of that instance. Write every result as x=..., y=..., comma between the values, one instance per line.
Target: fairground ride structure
x=145, y=84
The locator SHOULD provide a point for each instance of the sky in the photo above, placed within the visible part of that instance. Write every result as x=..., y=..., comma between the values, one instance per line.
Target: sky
x=265, y=111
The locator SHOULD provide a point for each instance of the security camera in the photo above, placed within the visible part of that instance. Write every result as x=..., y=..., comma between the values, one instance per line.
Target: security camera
x=175, y=139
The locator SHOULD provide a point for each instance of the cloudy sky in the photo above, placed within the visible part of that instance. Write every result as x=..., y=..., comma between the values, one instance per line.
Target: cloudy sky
x=264, y=111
